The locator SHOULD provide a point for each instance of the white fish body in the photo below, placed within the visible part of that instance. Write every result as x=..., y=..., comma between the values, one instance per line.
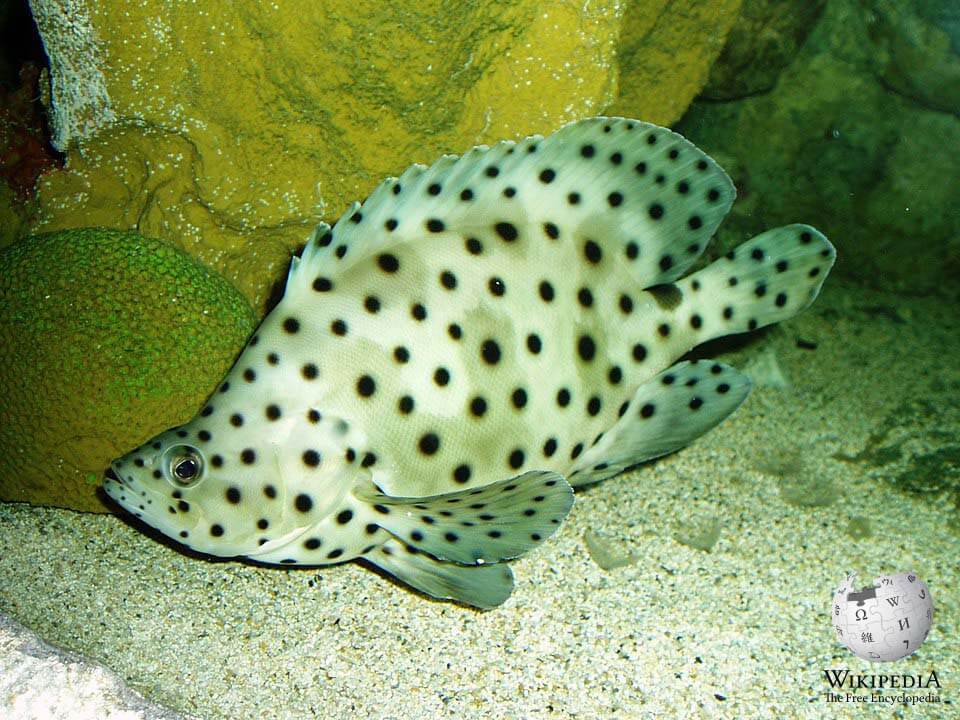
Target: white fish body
x=460, y=349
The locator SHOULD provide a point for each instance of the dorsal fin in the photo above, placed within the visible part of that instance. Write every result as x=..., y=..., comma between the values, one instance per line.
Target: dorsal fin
x=642, y=191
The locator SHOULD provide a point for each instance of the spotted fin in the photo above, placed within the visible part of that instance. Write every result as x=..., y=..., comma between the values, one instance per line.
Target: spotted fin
x=485, y=525
x=645, y=191
x=666, y=413
x=482, y=586
x=769, y=278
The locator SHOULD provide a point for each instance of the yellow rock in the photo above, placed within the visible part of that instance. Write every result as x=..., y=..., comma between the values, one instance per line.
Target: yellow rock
x=666, y=52
x=106, y=337
x=230, y=128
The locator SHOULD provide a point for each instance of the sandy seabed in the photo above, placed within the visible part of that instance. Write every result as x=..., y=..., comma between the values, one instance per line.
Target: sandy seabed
x=742, y=630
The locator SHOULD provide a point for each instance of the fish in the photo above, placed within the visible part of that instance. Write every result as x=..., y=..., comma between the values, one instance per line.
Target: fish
x=464, y=348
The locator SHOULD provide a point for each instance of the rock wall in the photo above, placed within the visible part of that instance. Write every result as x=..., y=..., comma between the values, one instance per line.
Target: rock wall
x=855, y=133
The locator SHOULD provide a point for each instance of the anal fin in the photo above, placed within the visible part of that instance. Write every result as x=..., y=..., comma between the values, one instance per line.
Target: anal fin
x=666, y=413
x=482, y=586
x=485, y=525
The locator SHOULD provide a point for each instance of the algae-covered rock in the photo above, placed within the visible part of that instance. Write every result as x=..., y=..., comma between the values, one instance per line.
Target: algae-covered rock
x=666, y=50
x=231, y=128
x=764, y=40
x=831, y=144
x=919, y=49
x=106, y=337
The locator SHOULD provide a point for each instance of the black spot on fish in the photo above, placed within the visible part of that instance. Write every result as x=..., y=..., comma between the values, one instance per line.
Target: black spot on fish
x=667, y=296
x=429, y=443
x=388, y=262
x=507, y=231
x=592, y=252
x=478, y=406
x=586, y=348
x=490, y=352
x=546, y=291
x=366, y=386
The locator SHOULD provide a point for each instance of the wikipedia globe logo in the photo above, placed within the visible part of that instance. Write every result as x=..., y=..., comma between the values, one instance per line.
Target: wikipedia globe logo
x=885, y=621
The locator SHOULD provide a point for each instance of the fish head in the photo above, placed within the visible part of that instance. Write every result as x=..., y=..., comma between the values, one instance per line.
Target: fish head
x=231, y=483
x=166, y=482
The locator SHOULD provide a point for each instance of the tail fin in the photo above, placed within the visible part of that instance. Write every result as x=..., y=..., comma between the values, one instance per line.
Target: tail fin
x=769, y=278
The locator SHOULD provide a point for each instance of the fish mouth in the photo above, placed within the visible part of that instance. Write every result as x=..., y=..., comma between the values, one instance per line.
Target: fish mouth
x=113, y=487
x=120, y=491
x=129, y=499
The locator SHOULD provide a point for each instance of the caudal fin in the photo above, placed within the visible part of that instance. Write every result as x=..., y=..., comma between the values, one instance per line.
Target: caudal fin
x=769, y=278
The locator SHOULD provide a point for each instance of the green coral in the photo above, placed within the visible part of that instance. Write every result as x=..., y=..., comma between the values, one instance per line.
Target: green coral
x=106, y=337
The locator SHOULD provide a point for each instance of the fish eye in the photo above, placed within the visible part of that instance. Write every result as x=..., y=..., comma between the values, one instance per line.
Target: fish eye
x=186, y=468
x=184, y=465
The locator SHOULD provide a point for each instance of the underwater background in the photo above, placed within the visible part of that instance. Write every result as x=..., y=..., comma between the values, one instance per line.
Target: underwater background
x=179, y=153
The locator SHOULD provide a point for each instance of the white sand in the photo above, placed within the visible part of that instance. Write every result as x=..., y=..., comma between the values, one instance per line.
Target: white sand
x=741, y=631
